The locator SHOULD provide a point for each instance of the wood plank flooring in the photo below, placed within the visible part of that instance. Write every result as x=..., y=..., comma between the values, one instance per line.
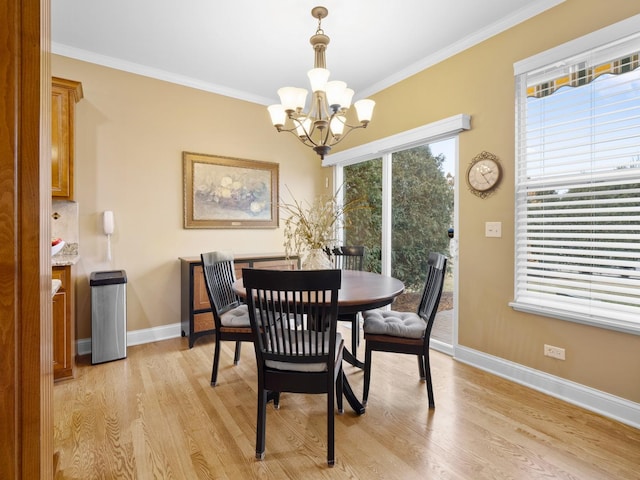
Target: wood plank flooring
x=154, y=416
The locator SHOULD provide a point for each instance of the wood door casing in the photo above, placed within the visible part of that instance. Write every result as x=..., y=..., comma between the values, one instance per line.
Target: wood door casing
x=26, y=377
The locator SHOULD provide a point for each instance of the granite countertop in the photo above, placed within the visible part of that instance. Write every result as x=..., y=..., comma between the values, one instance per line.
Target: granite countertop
x=61, y=260
x=68, y=256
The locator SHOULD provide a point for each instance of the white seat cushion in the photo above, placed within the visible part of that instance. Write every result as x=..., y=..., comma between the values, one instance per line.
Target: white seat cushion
x=396, y=324
x=236, y=317
x=309, y=347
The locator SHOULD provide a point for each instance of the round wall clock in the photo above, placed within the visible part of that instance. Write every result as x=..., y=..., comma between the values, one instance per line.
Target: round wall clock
x=484, y=174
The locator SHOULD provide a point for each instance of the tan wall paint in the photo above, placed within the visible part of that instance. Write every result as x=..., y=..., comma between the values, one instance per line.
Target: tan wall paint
x=130, y=135
x=132, y=129
x=480, y=82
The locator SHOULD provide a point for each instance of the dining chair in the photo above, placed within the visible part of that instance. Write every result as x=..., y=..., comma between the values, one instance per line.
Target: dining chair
x=293, y=318
x=406, y=332
x=350, y=258
x=230, y=315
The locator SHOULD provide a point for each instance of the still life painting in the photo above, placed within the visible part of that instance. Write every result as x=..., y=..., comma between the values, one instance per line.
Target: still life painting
x=223, y=192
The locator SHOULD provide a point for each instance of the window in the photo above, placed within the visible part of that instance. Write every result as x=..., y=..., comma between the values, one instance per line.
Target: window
x=578, y=185
x=419, y=198
x=382, y=152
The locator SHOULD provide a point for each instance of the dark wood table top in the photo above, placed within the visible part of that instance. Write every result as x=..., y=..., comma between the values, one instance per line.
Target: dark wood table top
x=359, y=291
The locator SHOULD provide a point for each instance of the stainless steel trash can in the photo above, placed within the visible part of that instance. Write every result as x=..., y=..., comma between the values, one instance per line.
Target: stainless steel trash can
x=108, y=315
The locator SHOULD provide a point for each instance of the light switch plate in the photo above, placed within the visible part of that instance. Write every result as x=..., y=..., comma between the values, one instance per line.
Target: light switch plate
x=493, y=229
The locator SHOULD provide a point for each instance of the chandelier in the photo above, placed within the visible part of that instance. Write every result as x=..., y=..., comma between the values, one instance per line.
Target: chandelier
x=325, y=123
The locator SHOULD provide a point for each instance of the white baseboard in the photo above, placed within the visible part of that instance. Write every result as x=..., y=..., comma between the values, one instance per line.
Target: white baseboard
x=138, y=337
x=610, y=406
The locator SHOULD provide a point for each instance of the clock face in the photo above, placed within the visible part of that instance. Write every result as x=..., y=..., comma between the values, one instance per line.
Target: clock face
x=483, y=175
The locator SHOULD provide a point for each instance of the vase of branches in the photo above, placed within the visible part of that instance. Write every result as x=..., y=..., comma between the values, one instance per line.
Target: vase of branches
x=310, y=228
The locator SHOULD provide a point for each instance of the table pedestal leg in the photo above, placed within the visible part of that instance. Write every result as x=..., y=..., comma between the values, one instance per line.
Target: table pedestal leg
x=350, y=358
x=351, y=397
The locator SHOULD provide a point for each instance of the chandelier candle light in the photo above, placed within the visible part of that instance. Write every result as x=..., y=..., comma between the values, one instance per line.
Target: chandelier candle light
x=325, y=124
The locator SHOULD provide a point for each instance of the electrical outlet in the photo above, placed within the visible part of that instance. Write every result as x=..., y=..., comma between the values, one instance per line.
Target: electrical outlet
x=493, y=229
x=554, y=352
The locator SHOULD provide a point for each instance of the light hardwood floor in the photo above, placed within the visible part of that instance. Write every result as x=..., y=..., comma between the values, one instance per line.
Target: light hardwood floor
x=154, y=416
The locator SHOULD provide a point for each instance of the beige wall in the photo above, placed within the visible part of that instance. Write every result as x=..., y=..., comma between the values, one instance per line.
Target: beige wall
x=132, y=130
x=130, y=135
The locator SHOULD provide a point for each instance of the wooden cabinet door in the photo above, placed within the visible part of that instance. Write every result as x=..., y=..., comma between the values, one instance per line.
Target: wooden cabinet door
x=273, y=264
x=277, y=264
x=201, y=321
x=64, y=95
x=200, y=295
x=63, y=349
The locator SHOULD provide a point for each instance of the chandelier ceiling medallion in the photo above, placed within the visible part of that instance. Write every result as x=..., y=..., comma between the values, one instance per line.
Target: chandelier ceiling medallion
x=325, y=124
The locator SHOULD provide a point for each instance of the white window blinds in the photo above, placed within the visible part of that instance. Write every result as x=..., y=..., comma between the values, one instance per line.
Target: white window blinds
x=578, y=188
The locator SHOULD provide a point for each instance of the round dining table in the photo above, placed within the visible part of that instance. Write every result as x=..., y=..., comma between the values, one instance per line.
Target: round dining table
x=359, y=291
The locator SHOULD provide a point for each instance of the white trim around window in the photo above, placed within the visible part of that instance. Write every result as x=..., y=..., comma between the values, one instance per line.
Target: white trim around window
x=429, y=133
x=558, y=54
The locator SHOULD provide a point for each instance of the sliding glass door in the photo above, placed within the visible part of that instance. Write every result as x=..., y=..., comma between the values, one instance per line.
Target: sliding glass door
x=363, y=182
x=410, y=207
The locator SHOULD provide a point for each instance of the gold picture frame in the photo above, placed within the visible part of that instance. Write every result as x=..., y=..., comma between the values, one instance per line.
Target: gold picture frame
x=225, y=192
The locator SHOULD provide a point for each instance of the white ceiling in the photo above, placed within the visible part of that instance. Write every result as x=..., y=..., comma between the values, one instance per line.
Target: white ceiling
x=247, y=49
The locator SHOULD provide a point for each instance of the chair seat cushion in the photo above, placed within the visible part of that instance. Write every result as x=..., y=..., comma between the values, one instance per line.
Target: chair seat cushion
x=396, y=324
x=236, y=317
x=309, y=346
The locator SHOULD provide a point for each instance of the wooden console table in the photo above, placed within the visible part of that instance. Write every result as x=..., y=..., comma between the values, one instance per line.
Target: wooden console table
x=195, y=309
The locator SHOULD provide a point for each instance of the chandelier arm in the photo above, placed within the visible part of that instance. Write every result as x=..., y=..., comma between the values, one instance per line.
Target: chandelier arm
x=355, y=127
x=347, y=132
x=306, y=139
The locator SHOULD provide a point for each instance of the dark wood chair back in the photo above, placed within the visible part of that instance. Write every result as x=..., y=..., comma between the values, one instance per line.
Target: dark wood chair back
x=293, y=319
x=428, y=307
x=389, y=340
x=295, y=314
x=219, y=275
x=348, y=257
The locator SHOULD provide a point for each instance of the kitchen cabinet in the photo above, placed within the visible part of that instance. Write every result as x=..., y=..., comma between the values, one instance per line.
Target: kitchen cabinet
x=63, y=324
x=64, y=96
x=196, y=316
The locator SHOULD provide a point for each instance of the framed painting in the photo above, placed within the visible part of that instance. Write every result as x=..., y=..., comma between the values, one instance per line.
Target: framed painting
x=223, y=192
